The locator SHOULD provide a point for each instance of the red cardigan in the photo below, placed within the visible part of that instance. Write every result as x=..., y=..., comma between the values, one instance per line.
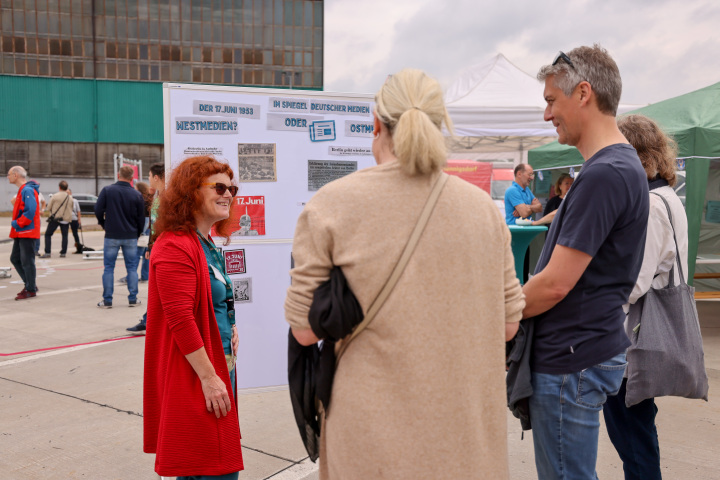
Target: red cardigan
x=187, y=439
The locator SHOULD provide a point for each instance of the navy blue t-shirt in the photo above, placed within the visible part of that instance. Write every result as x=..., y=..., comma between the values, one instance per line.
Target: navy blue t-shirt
x=605, y=215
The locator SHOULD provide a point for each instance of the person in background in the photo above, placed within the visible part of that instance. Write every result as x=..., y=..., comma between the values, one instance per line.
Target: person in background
x=519, y=199
x=76, y=224
x=24, y=229
x=189, y=390
x=521, y=203
x=157, y=183
x=392, y=379
x=143, y=262
x=561, y=188
x=120, y=211
x=43, y=204
x=632, y=430
x=587, y=268
x=60, y=208
x=562, y=185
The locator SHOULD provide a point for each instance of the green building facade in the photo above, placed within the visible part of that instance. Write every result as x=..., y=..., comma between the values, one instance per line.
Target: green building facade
x=81, y=80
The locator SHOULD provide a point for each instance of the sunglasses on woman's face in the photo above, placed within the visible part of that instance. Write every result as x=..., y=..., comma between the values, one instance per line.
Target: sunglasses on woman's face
x=221, y=188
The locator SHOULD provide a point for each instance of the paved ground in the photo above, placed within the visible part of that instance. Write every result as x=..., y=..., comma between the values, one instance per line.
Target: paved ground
x=76, y=412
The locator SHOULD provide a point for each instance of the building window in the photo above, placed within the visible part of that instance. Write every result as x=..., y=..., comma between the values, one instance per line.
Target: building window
x=183, y=41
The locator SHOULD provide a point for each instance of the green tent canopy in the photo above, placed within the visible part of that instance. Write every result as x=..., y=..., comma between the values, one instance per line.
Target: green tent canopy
x=693, y=120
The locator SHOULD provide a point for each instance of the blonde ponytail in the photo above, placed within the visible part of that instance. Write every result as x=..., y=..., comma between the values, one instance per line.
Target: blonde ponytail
x=411, y=106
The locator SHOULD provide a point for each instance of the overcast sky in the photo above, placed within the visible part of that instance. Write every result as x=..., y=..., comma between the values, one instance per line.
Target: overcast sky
x=663, y=48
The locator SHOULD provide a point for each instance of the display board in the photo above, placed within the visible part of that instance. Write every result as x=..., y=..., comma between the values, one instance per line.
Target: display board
x=283, y=145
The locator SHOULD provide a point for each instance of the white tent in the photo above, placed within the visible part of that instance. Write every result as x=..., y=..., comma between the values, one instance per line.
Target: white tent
x=497, y=99
x=497, y=112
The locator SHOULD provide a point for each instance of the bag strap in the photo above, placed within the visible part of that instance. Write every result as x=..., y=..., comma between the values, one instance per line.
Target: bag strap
x=61, y=205
x=400, y=266
x=677, y=250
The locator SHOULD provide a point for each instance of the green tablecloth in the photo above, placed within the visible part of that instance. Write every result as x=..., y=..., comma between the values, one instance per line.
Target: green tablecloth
x=521, y=238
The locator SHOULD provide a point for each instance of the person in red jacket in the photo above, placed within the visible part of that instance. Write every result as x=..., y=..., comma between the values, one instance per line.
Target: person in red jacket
x=191, y=341
x=25, y=229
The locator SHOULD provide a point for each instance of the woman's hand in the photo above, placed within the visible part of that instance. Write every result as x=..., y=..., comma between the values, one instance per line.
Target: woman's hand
x=235, y=341
x=216, y=397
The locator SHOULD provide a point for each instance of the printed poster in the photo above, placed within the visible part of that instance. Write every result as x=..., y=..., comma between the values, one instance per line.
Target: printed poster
x=235, y=261
x=249, y=213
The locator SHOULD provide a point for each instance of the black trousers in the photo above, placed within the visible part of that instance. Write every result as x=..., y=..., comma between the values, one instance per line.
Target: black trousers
x=75, y=226
x=52, y=226
x=23, y=259
x=633, y=434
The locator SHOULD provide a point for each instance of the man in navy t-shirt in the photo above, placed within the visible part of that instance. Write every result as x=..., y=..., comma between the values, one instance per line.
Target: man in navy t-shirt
x=587, y=269
x=519, y=200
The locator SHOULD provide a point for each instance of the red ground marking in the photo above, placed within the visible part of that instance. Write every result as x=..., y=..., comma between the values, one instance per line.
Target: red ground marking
x=68, y=346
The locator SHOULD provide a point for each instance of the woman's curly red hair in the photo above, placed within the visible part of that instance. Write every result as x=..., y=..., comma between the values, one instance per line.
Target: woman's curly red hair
x=182, y=198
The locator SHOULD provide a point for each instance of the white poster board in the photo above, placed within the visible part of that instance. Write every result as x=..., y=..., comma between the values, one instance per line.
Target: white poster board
x=282, y=145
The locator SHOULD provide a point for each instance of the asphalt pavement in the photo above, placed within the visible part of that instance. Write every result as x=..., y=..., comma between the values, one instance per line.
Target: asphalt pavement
x=71, y=391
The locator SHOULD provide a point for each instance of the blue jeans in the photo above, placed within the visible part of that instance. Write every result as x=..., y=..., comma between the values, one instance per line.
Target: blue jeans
x=111, y=247
x=23, y=259
x=634, y=436
x=565, y=415
x=144, y=264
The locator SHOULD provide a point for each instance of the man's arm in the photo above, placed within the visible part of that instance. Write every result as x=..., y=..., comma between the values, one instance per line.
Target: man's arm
x=100, y=209
x=536, y=206
x=523, y=210
x=28, y=213
x=514, y=200
x=546, y=289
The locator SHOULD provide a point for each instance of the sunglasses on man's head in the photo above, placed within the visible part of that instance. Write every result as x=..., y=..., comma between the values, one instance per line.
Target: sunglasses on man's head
x=562, y=56
x=221, y=188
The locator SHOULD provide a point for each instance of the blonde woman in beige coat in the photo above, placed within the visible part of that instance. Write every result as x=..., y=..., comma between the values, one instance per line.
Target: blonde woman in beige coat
x=420, y=393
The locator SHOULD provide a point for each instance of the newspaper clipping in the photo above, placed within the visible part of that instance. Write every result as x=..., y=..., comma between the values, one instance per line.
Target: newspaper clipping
x=242, y=290
x=193, y=151
x=321, y=172
x=256, y=162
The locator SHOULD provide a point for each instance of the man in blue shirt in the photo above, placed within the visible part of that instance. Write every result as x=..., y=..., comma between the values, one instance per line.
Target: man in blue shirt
x=587, y=269
x=519, y=200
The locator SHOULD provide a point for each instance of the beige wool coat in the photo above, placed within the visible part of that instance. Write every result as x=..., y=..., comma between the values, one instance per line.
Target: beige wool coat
x=420, y=393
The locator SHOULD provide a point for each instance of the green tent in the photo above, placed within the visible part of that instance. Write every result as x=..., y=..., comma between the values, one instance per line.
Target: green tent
x=693, y=120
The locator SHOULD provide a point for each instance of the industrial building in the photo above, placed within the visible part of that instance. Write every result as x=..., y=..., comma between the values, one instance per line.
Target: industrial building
x=81, y=80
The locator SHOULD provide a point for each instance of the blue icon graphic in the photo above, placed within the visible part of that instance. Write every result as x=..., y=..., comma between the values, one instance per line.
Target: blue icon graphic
x=322, y=131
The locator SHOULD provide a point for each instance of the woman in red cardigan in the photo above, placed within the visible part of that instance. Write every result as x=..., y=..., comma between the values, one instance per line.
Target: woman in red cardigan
x=190, y=415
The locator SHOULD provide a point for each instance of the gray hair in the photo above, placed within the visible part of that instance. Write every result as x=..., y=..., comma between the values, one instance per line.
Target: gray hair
x=593, y=65
x=19, y=171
